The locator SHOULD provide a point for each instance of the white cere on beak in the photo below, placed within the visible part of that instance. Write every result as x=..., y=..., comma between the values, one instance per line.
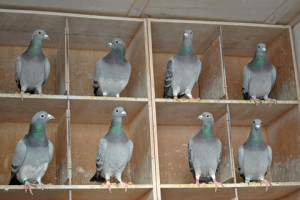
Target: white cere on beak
x=123, y=113
x=109, y=44
x=50, y=116
x=257, y=126
x=185, y=34
x=263, y=49
x=200, y=117
x=46, y=37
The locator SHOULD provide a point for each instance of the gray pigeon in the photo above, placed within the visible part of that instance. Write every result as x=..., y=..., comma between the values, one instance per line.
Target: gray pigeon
x=258, y=76
x=32, y=68
x=114, y=151
x=183, y=70
x=205, y=151
x=254, y=156
x=112, y=72
x=33, y=153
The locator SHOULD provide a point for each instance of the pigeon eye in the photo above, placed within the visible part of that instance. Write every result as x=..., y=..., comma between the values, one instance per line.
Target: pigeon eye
x=207, y=116
x=117, y=42
x=42, y=116
x=258, y=46
x=39, y=32
x=117, y=110
x=191, y=32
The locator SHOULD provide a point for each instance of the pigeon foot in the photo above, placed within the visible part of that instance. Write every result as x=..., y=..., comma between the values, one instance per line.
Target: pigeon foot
x=107, y=183
x=268, y=183
x=270, y=101
x=216, y=184
x=27, y=186
x=125, y=185
x=256, y=101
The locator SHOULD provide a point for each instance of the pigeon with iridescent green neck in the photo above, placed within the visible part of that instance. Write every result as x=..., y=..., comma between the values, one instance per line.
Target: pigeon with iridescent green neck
x=255, y=156
x=32, y=68
x=114, y=151
x=112, y=72
x=258, y=76
x=205, y=151
x=183, y=70
x=33, y=154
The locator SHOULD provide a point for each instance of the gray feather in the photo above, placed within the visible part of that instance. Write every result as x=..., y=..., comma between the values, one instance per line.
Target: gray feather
x=205, y=150
x=258, y=76
x=34, y=152
x=112, y=72
x=254, y=156
x=32, y=68
x=114, y=150
x=183, y=70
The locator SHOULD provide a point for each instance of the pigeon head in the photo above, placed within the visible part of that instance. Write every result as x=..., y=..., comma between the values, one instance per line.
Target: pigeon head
x=39, y=34
x=260, y=49
x=188, y=34
x=119, y=112
x=41, y=117
x=256, y=124
x=206, y=117
x=116, y=43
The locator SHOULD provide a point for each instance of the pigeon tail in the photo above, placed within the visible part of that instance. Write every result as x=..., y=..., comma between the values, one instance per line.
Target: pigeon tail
x=14, y=181
x=97, y=177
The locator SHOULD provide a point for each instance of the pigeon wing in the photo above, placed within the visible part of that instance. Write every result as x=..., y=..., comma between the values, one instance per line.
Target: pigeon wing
x=18, y=71
x=168, y=93
x=241, y=159
x=19, y=157
x=101, y=153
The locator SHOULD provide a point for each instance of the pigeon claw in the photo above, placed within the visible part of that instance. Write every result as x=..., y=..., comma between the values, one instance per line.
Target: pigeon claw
x=268, y=183
x=27, y=186
x=125, y=185
x=216, y=184
x=256, y=101
x=270, y=101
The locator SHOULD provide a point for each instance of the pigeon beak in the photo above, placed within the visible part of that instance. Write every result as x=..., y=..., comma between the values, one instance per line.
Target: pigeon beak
x=50, y=116
x=264, y=49
x=257, y=126
x=124, y=114
x=109, y=45
x=47, y=37
x=185, y=35
x=200, y=117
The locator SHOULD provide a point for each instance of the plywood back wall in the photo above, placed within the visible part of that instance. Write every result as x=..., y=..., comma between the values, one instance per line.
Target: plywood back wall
x=11, y=133
x=8, y=56
x=284, y=138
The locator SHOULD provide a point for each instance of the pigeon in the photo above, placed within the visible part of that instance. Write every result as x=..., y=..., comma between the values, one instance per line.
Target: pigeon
x=33, y=154
x=183, y=70
x=32, y=68
x=112, y=72
x=255, y=156
x=205, y=151
x=258, y=77
x=114, y=151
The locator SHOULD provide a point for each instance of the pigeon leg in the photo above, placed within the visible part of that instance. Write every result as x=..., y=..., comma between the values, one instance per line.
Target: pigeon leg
x=39, y=89
x=175, y=92
x=190, y=96
x=27, y=186
x=268, y=183
x=22, y=94
x=216, y=184
x=40, y=183
x=125, y=184
x=117, y=95
x=104, y=94
x=107, y=183
x=197, y=176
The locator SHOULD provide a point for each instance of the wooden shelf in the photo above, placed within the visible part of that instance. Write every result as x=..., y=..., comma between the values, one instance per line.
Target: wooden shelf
x=245, y=191
x=13, y=109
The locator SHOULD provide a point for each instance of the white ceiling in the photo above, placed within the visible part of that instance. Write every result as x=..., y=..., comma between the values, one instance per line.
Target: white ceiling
x=257, y=11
